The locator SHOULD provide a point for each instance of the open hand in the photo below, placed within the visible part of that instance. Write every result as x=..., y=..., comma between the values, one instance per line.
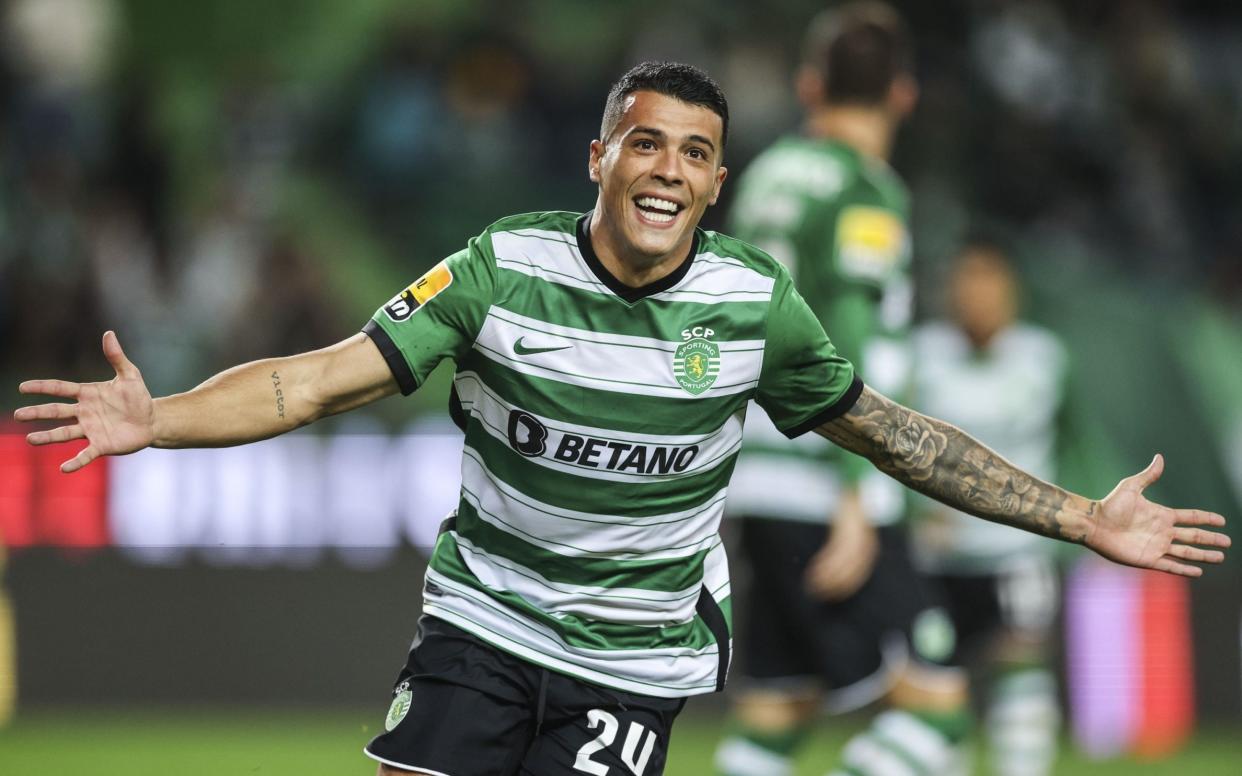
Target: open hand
x=1130, y=529
x=116, y=417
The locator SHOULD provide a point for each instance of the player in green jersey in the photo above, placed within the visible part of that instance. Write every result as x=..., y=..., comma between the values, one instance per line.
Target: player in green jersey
x=604, y=365
x=839, y=618
x=1003, y=380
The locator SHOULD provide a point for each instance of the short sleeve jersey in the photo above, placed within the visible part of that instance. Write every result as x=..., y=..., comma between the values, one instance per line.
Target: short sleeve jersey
x=837, y=220
x=601, y=425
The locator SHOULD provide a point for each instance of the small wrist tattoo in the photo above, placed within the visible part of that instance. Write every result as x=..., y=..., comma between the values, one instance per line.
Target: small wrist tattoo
x=280, y=396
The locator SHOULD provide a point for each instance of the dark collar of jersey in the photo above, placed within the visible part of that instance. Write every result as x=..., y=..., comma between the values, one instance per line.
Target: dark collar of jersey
x=629, y=293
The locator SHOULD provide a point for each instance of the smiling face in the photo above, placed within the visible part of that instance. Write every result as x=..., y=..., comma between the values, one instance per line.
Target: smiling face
x=657, y=171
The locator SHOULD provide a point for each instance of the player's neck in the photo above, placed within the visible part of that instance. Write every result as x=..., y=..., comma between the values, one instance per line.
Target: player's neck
x=867, y=130
x=633, y=270
x=981, y=338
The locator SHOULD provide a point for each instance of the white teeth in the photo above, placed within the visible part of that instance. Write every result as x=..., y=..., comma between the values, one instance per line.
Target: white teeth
x=658, y=204
x=660, y=218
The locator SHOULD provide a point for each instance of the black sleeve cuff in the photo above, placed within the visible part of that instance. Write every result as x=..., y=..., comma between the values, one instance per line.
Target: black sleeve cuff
x=396, y=362
x=832, y=412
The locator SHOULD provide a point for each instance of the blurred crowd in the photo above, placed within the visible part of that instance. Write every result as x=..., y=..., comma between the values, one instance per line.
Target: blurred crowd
x=223, y=181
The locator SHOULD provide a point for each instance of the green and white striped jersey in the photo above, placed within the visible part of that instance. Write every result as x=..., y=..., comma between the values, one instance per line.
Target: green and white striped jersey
x=1010, y=397
x=837, y=220
x=602, y=423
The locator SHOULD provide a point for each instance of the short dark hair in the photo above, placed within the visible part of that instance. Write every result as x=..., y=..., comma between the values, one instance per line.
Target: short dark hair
x=859, y=49
x=672, y=79
x=986, y=240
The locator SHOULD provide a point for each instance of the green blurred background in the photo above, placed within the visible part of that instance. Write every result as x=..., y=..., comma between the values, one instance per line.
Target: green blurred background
x=220, y=181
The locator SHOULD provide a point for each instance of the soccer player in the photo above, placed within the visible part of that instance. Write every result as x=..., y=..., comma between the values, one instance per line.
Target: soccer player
x=839, y=618
x=1003, y=380
x=604, y=361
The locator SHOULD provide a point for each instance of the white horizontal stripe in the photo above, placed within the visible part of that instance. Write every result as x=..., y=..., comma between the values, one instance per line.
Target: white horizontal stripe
x=395, y=764
x=867, y=756
x=490, y=604
x=738, y=756
x=716, y=572
x=605, y=454
x=549, y=255
x=470, y=386
x=1030, y=710
x=924, y=743
x=549, y=277
x=629, y=606
x=477, y=478
x=553, y=256
x=577, y=534
x=664, y=673
x=714, y=279
x=604, y=363
x=705, y=298
x=1030, y=682
x=709, y=257
x=535, y=326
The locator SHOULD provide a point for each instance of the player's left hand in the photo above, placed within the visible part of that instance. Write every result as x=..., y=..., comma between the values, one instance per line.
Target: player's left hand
x=1129, y=529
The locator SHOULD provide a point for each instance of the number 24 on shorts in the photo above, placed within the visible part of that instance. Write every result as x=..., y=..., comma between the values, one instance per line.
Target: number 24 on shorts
x=630, y=755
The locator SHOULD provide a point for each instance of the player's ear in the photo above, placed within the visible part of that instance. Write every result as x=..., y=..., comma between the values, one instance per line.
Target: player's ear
x=809, y=86
x=903, y=95
x=722, y=172
x=593, y=161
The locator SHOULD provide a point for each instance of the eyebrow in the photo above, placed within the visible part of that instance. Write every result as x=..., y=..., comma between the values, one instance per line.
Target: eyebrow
x=659, y=134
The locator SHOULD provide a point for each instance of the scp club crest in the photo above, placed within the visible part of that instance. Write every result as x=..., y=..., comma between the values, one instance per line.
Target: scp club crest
x=696, y=362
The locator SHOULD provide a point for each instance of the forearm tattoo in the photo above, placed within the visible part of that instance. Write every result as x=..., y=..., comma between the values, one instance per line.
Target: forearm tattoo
x=942, y=461
x=280, y=396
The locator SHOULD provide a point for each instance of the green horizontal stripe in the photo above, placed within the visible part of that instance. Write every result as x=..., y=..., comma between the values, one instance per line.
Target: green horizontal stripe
x=607, y=313
x=665, y=575
x=575, y=631
x=547, y=220
x=621, y=411
x=583, y=494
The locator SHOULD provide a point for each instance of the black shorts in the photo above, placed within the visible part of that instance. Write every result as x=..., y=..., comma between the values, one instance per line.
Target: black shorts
x=1023, y=599
x=461, y=707
x=793, y=641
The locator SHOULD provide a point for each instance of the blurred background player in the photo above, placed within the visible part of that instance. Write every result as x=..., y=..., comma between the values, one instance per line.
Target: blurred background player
x=844, y=621
x=1004, y=381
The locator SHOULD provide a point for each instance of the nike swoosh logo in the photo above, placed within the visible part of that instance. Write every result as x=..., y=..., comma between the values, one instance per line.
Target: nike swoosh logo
x=522, y=350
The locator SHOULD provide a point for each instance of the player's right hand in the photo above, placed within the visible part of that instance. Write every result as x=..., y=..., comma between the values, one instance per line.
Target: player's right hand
x=116, y=417
x=845, y=562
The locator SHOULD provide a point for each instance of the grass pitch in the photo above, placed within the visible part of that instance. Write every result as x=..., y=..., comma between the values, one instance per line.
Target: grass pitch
x=189, y=742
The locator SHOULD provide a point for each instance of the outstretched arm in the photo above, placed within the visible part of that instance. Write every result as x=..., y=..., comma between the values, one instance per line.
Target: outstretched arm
x=943, y=462
x=244, y=404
